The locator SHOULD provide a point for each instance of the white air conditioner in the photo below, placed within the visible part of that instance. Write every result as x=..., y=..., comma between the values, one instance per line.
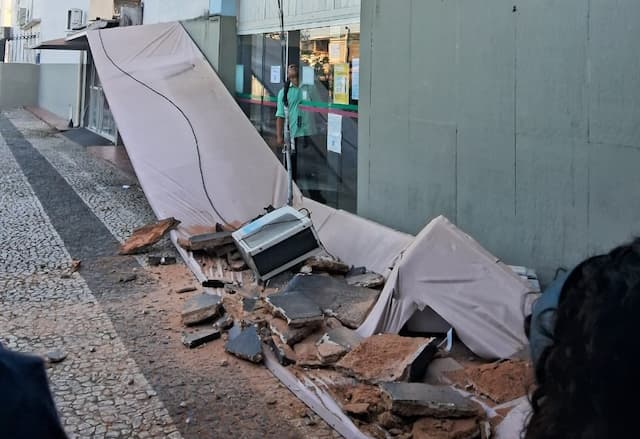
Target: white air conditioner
x=75, y=19
x=23, y=16
x=277, y=241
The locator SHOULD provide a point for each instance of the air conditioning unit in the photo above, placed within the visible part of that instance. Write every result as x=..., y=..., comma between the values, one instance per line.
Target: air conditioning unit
x=75, y=19
x=277, y=241
x=23, y=16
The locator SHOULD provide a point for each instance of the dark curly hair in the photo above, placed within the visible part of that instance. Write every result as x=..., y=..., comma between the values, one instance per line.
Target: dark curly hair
x=587, y=379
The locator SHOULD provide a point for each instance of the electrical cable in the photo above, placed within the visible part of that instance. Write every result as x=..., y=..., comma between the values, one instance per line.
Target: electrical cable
x=193, y=131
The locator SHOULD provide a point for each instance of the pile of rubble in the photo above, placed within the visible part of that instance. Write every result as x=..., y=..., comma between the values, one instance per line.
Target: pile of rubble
x=389, y=385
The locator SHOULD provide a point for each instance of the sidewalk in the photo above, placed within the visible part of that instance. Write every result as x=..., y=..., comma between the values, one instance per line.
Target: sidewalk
x=126, y=373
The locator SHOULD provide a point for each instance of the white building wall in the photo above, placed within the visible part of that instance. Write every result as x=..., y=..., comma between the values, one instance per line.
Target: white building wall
x=6, y=13
x=52, y=16
x=101, y=8
x=54, y=25
x=57, y=85
x=161, y=11
x=258, y=16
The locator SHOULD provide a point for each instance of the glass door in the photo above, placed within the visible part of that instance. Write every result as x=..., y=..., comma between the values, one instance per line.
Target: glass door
x=100, y=118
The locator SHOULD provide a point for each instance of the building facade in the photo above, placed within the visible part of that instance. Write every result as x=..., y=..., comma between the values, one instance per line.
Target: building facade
x=59, y=73
x=520, y=123
x=46, y=71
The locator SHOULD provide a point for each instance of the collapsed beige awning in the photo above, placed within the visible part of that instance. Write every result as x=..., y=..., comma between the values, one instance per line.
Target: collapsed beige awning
x=199, y=159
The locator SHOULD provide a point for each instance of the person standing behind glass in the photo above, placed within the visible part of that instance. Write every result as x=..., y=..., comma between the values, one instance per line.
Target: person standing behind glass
x=299, y=123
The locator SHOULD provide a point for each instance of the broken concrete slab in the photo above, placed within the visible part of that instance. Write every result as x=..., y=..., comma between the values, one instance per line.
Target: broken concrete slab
x=431, y=428
x=283, y=352
x=146, y=236
x=388, y=420
x=250, y=291
x=290, y=335
x=222, y=251
x=237, y=265
x=249, y=304
x=501, y=382
x=307, y=352
x=355, y=271
x=419, y=399
x=336, y=343
x=206, y=241
x=327, y=264
x=388, y=358
x=234, y=331
x=200, y=337
x=332, y=323
x=359, y=394
x=246, y=345
x=335, y=297
x=439, y=367
x=357, y=409
x=223, y=323
x=235, y=261
x=367, y=279
x=297, y=309
x=154, y=261
x=279, y=281
x=344, y=337
x=201, y=308
x=329, y=352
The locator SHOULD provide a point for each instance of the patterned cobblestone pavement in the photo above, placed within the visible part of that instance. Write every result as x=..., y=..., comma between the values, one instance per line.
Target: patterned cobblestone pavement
x=99, y=390
x=126, y=373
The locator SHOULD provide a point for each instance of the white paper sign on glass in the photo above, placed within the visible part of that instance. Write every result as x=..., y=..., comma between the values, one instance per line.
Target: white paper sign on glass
x=355, y=79
x=276, y=74
x=335, y=52
x=334, y=133
x=239, y=78
x=308, y=75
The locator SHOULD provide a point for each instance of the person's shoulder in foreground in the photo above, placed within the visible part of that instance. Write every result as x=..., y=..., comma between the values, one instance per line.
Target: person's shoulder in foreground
x=27, y=409
x=587, y=383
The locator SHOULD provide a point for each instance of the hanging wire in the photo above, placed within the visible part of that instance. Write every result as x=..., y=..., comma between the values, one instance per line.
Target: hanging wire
x=183, y=114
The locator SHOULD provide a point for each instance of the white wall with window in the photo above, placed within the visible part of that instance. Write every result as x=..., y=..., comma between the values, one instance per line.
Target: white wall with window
x=161, y=11
x=59, y=19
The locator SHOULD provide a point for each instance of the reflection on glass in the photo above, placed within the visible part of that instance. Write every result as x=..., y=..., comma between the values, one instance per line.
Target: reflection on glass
x=100, y=118
x=326, y=59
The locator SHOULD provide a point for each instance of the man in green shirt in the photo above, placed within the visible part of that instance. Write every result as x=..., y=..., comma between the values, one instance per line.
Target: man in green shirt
x=299, y=121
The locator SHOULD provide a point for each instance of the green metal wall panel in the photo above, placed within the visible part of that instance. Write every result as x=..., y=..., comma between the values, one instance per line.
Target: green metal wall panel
x=521, y=122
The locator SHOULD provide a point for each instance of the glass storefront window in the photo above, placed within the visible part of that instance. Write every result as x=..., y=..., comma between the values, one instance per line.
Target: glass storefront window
x=257, y=54
x=329, y=75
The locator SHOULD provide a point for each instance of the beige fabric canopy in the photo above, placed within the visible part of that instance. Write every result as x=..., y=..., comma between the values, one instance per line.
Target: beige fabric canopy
x=199, y=159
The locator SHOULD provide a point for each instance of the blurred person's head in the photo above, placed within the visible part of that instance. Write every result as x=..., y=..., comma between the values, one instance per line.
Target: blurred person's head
x=292, y=78
x=292, y=74
x=587, y=377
